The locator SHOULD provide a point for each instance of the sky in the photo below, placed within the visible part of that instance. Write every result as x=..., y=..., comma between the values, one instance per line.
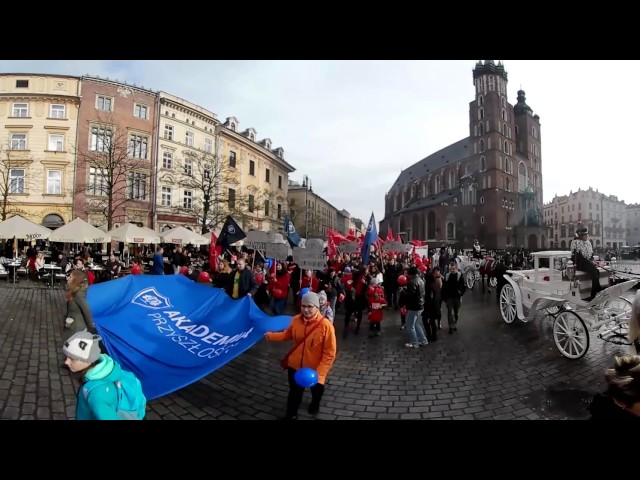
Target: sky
x=352, y=125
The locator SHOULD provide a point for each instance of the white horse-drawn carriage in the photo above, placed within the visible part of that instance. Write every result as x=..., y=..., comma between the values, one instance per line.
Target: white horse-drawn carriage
x=557, y=290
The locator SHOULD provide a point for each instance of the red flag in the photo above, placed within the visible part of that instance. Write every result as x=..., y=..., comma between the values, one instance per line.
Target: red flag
x=399, y=238
x=390, y=234
x=214, y=252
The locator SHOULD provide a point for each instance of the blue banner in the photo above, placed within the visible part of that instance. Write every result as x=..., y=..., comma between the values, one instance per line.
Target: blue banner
x=369, y=239
x=171, y=331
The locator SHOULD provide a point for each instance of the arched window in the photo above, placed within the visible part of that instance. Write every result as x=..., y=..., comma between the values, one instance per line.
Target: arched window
x=504, y=129
x=481, y=128
x=52, y=221
x=232, y=126
x=480, y=100
x=504, y=101
x=480, y=113
x=506, y=147
x=507, y=166
x=522, y=177
x=492, y=83
x=431, y=225
x=507, y=184
x=481, y=145
x=436, y=184
x=504, y=115
x=452, y=179
x=483, y=164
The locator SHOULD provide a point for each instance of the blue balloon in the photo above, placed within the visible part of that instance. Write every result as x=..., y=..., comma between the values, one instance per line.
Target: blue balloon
x=304, y=290
x=306, y=377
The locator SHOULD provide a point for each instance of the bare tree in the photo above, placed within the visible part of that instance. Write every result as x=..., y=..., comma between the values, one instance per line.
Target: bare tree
x=13, y=179
x=113, y=160
x=214, y=192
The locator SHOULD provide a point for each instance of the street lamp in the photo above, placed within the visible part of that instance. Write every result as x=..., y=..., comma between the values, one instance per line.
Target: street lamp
x=306, y=184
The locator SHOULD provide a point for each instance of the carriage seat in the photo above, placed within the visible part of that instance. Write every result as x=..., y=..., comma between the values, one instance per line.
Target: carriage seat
x=585, y=281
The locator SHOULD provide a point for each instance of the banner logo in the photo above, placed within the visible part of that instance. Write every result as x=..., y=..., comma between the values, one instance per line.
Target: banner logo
x=231, y=229
x=150, y=298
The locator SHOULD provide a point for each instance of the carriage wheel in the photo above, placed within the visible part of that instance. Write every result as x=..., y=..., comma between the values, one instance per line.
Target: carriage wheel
x=508, y=303
x=570, y=334
x=493, y=282
x=470, y=279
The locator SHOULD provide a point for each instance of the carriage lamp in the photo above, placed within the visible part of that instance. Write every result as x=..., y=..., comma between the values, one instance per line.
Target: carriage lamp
x=570, y=270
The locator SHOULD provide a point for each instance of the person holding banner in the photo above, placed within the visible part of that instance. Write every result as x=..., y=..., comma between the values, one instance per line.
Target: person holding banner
x=279, y=288
x=314, y=346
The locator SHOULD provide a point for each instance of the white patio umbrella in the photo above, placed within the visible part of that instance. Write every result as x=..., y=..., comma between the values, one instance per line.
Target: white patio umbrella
x=79, y=231
x=183, y=236
x=20, y=228
x=131, y=233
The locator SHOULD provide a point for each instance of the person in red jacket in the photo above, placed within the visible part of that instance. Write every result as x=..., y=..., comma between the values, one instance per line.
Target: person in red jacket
x=310, y=281
x=376, y=302
x=278, y=287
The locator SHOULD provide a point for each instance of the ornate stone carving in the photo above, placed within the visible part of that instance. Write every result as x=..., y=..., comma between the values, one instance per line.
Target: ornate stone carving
x=124, y=91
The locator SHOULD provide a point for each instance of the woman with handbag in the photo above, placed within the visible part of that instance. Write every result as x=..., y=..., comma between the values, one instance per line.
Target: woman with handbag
x=278, y=287
x=314, y=347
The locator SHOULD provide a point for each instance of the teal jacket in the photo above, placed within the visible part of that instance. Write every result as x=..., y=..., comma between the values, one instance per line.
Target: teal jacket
x=101, y=404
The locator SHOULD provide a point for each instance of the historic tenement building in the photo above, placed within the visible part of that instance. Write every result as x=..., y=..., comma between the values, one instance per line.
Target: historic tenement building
x=37, y=146
x=486, y=186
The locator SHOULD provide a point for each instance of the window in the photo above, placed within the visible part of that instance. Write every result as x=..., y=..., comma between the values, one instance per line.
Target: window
x=167, y=160
x=481, y=200
x=22, y=83
x=208, y=145
x=504, y=115
x=232, y=159
x=507, y=184
x=480, y=113
x=480, y=128
x=522, y=177
x=251, y=136
x=187, y=201
x=18, y=141
x=188, y=166
x=54, y=182
x=252, y=167
x=97, y=182
x=252, y=200
x=188, y=139
x=137, y=186
x=140, y=111
x=483, y=164
x=57, y=111
x=56, y=143
x=266, y=208
x=104, y=103
x=207, y=171
x=481, y=145
x=507, y=166
x=480, y=100
x=20, y=109
x=232, y=126
x=504, y=129
x=166, y=196
x=267, y=176
x=481, y=219
x=533, y=132
x=279, y=211
x=16, y=180
x=138, y=146
x=232, y=199
x=280, y=181
x=168, y=131
x=101, y=139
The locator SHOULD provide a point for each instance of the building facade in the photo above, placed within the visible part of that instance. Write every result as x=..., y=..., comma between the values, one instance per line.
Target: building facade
x=310, y=213
x=343, y=221
x=256, y=178
x=116, y=154
x=633, y=224
x=186, y=164
x=37, y=145
x=604, y=215
x=487, y=186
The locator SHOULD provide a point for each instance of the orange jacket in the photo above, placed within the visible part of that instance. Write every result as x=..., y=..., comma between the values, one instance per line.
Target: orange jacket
x=319, y=349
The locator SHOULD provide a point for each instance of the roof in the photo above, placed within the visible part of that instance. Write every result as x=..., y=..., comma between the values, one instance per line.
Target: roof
x=429, y=201
x=447, y=156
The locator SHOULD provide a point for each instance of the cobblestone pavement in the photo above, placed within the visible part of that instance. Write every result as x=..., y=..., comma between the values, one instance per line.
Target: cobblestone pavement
x=485, y=370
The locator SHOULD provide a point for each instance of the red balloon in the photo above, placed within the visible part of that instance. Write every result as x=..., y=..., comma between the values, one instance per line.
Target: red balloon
x=136, y=270
x=204, y=277
x=402, y=280
x=184, y=270
x=371, y=290
x=422, y=268
x=259, y=279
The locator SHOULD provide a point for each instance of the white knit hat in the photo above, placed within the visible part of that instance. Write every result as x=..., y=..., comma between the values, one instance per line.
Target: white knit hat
x=82, y=346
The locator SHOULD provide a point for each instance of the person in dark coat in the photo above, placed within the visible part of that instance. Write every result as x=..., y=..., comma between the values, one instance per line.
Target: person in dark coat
x=430, y=315
x=621, y=400
x=453, y=288
x=244, y=282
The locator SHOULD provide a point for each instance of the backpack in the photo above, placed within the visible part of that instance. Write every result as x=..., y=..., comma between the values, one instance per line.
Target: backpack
x=131, y=403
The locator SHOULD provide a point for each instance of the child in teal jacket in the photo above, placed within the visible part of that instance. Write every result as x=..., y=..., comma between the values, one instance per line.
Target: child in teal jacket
x=107, y=392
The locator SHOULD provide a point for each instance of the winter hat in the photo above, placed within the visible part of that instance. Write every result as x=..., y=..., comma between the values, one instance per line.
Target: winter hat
x=373, y=282
x=311, y=298
x=347, y=269
x=82, y=346
x=322, y=297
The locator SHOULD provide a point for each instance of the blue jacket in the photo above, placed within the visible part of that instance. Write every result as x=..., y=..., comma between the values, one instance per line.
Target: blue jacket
x=158, y=264
x=101, y=405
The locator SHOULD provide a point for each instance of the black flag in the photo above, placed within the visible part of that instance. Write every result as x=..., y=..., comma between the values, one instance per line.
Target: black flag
x=230, y=233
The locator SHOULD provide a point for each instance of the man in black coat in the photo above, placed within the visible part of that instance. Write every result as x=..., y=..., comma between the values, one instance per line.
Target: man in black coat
x=453, y=288
x=244, y=282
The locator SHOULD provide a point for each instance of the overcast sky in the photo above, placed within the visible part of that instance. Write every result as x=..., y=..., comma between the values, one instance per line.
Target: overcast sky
x=351, y=126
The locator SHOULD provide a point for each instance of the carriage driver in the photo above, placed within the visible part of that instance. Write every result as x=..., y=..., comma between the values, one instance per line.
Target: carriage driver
x=583, y=252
